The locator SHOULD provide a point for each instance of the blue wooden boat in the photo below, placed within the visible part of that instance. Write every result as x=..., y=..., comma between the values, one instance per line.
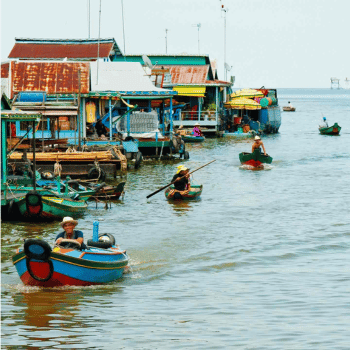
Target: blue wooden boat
x=39, y=265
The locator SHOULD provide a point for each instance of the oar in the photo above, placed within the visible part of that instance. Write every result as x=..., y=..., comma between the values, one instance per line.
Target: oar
x=162, y=188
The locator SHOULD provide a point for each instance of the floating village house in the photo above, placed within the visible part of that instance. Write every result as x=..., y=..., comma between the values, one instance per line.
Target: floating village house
x=59, y=73
x=200, y=95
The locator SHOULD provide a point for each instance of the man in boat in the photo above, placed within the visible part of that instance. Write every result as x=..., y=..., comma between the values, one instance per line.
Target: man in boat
x=324, y=124
x=68, y=225
x=197, y=130
x=181, y=178
x=290, y=105
x=257, y=144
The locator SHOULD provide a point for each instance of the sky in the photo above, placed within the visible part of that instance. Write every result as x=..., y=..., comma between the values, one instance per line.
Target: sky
x=271, y=43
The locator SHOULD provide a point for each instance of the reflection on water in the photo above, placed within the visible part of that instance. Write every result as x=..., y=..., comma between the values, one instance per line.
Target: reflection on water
x=259, y=262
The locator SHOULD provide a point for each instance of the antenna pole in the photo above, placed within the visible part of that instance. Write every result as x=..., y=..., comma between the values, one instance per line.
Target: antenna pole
x=123, y=25
x=98, y=45
x=225, y=12
x=198, y=25
x=89, y=18
x=166, y=40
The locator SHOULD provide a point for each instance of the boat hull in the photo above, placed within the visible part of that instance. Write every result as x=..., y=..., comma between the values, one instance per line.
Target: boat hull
x=69, y=267
x=289, y=109
x=332, y=130
x=189, y=138
x=194, y=192
x=255, y=159
x=52, y=208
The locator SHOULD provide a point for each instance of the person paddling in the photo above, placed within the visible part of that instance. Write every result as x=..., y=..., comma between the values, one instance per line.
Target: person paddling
x=181, y=178
x=257, y=144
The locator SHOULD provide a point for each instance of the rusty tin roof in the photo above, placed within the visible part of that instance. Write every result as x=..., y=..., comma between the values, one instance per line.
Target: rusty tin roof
x=78, y=49
x=188, y=74
x=52, y=77
x=5, y=69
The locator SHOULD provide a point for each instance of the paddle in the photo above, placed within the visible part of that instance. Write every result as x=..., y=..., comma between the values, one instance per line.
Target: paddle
x=162, y=188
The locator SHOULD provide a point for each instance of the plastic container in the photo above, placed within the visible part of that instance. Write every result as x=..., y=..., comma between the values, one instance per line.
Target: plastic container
x=32, y=96
x=237, y=120
x=264, y=102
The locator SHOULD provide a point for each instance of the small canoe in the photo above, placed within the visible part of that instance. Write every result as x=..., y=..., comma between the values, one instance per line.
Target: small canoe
x=194, y=192
x=332, y=130
x=239, y=135
x=39, y=265
x=255, y=159
x=288, y=109
x=191, y=138
x=35, y=206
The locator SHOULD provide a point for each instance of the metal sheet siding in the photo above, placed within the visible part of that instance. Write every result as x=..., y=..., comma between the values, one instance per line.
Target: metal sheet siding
x=52, y=51
x=54, y=78
x=5, y=67
x=188, y=74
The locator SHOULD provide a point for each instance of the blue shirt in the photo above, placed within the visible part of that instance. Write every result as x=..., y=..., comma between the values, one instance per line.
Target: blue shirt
x=76, y=234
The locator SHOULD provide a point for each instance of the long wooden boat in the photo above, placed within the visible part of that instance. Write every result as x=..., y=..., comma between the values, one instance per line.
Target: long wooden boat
x=191, y=138
x=101, y=191
x=35, y=206
x=255, y=159
x=193, y=193
x=332, y=130
x=38, y=264
x=288, y=109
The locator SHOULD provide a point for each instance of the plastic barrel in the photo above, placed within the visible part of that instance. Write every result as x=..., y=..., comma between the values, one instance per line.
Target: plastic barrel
x=264, y=102
x=32, y=96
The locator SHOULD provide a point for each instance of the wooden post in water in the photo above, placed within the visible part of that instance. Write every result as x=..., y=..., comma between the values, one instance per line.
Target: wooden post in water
x=79, y=115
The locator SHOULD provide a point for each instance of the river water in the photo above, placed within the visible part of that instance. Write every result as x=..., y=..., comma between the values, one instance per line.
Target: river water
x=261, y=261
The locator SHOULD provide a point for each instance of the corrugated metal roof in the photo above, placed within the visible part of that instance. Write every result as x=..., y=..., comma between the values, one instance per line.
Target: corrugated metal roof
x=124, y=77
x=52, y=77
x=5, y=67
x=188, y=74
x=57, y=51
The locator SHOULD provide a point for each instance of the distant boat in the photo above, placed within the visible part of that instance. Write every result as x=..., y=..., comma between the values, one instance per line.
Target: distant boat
x=192, y=138
x=255, y=159
x=331, y=130
x=288, y=109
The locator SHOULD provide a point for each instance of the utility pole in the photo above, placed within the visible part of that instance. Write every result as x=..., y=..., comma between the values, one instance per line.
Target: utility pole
x=198, y=26
x=98, y=45
x=166, y=40
x=224, y=14
x=123, y=25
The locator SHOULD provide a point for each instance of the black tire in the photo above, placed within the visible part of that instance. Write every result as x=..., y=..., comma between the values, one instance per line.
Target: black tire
x=138, y=160
x=103, y=245
x=110, y=237
x=37, y=249
x=36, y=277
x=94, y=173
x=33, y=199
x=186, y=155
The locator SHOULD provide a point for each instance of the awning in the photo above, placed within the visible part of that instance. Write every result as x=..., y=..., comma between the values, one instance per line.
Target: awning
x=196, y=91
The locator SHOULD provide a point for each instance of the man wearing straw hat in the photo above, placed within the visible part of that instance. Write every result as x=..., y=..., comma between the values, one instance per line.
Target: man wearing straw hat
x=257, y=144
x=181, y=178
x=68, y=225
x=197, y=130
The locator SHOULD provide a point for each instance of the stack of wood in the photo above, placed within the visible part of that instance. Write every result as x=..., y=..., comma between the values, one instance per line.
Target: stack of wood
x=101, y=156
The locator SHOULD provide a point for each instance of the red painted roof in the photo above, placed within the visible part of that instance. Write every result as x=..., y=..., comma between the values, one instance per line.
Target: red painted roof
x=59, y=50
x=188, y=74
x=52, y=77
